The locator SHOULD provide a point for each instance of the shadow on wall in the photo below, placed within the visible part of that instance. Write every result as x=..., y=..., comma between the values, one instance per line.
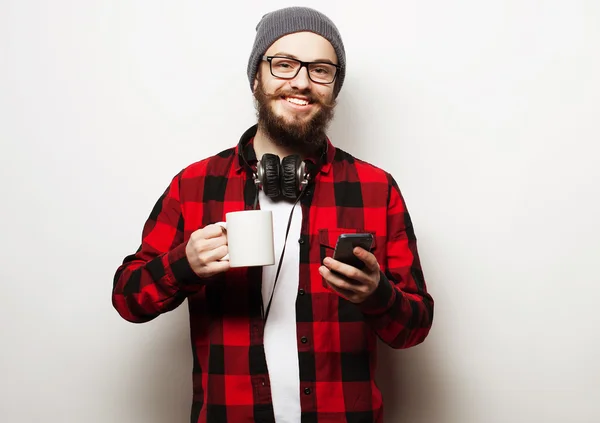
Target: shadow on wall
x=409, y=383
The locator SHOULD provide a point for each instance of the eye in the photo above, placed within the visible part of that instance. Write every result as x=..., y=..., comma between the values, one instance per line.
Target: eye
x=283, y=64
x=321, y=70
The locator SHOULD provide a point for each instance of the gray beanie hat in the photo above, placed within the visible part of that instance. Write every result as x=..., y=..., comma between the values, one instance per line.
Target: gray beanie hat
x=286, y=21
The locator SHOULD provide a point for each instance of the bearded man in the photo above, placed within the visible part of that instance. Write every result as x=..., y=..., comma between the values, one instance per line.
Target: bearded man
x=294, y=342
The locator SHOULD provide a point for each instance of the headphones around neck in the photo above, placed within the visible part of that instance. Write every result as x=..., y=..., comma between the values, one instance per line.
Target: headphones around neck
x=288, y=177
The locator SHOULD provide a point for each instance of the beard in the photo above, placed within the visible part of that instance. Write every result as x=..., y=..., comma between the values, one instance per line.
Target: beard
x=304, y=136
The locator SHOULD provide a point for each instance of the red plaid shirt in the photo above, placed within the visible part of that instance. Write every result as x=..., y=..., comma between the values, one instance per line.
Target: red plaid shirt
x=336, y=338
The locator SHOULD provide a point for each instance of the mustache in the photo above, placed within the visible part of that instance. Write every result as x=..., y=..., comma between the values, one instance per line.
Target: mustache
x=304, y=93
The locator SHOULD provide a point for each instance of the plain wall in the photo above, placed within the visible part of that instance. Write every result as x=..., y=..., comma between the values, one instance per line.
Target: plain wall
x=486, y=112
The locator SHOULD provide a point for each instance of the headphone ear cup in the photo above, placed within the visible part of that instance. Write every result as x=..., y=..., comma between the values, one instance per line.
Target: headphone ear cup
x=290, y=183
x=270, y=175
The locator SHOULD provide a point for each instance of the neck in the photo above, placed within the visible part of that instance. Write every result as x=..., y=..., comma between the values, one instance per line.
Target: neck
x=264, y=144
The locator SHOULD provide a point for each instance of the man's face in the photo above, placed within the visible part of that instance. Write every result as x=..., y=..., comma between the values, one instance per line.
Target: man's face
x=296, y=112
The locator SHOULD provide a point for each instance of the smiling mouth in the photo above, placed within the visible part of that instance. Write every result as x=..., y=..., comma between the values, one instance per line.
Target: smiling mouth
x=297, y=101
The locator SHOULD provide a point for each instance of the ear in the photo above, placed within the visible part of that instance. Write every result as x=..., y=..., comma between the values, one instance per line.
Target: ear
x=255, y=83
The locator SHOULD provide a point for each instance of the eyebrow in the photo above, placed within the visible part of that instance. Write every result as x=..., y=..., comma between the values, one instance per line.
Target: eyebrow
x=291, y=56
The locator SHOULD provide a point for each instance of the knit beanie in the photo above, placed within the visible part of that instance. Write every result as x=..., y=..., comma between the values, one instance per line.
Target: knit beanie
x=286, y=21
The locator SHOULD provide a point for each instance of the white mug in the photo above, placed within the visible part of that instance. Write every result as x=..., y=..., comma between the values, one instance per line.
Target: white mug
x=249, y=238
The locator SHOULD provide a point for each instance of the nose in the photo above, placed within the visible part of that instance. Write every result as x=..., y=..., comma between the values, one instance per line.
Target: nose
x=301, y=81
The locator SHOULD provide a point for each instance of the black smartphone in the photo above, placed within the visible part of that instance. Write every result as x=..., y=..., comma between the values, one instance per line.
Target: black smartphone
x=345, y=246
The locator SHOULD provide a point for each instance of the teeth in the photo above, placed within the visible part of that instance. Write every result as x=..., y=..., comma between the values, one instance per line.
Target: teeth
x=297, y=101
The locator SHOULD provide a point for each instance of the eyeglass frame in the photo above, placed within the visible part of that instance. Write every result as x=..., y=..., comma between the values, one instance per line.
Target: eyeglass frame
x=269, y=59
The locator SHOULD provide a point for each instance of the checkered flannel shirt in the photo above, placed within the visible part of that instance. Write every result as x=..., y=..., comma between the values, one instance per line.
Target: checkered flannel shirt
x=336, y=339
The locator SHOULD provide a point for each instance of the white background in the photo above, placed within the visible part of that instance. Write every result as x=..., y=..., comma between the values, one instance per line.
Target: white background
x=486, y=112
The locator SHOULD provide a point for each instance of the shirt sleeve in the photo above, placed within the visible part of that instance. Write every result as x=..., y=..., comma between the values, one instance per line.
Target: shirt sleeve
x=158, y=277
x=400, y=310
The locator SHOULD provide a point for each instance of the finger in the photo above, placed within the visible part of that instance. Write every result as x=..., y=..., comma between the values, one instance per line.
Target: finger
x=216, y=267
x=213, y=255
x=368, y=258
x=212, y=243
x=347, y=294
x=350, y=272
x=212, y=231
x=338, y=282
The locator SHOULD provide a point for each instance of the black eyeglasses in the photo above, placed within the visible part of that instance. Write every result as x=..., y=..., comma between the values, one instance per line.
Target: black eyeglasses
x=288, y=68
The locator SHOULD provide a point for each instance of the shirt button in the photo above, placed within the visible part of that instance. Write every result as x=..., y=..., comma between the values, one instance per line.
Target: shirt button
x=300, y=241
x=307, y=391
x=301, y=292
x=304, y=340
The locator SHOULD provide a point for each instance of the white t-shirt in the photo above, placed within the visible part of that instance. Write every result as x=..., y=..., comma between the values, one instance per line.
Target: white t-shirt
x=280, y=340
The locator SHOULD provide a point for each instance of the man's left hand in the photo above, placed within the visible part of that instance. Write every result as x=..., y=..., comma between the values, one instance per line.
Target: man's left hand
x=351, y=283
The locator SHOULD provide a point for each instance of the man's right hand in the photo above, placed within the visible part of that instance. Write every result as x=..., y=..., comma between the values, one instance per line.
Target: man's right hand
x=205, y=249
